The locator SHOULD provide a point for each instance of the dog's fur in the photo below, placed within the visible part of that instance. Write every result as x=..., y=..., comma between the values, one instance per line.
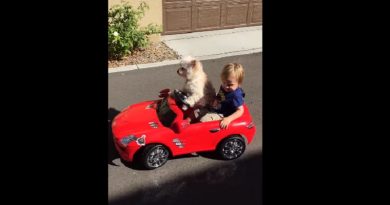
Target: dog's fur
x=199, y=89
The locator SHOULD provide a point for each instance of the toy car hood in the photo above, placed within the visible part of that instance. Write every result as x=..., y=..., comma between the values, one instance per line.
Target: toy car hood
x=141, y=117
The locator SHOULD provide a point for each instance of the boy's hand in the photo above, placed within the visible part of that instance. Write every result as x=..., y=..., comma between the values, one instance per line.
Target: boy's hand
x=225, y=123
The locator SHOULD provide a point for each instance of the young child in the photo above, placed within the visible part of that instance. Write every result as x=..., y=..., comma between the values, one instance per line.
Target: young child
x=230, y=98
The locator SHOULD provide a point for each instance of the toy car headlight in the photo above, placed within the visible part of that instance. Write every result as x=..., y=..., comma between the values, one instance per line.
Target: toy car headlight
x=126, y=140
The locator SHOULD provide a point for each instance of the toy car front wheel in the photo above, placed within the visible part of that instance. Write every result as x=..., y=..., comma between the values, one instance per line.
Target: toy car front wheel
x=231, y=147
x=154, y=156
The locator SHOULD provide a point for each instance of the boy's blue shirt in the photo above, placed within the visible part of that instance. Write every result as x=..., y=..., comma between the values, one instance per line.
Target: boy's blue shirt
x=230, y=101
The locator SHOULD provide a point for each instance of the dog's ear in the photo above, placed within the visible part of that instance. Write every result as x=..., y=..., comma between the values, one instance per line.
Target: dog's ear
x=193, y=63
x=196, y=65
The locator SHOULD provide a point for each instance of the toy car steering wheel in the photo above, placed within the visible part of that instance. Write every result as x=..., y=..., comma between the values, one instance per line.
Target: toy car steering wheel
x=180, y=98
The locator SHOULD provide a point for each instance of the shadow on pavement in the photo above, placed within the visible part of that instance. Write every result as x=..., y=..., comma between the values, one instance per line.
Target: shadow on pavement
x=234, y=182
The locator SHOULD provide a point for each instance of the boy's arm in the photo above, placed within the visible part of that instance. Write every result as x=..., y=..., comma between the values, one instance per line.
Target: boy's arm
x=227, y=120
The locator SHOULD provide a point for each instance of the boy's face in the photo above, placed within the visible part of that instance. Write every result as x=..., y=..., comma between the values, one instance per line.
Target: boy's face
x=230, y=84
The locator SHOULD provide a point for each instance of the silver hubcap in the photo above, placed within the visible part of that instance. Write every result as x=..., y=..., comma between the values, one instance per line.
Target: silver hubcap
x=157, y=157
x=233, y=148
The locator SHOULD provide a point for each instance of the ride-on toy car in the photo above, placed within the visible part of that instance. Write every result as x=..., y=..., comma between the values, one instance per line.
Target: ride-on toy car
x=152, y=131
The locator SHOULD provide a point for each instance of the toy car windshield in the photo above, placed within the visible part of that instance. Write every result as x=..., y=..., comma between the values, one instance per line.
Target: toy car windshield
x=165, y=114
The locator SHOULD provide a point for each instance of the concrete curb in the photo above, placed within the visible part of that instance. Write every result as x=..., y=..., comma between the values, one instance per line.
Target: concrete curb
x=122, y=69
x=163, y=63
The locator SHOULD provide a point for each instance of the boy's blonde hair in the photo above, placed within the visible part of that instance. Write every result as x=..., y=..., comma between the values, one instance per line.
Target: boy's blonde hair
x=233, y=68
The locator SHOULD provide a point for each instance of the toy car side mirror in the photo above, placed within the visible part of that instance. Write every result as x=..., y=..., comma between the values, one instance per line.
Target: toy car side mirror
x=164, y=93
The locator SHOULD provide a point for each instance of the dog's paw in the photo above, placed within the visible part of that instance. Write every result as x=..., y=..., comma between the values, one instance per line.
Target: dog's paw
x=189, y=102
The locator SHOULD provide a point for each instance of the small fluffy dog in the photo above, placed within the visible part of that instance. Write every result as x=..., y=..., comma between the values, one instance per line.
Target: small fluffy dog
x=200, y=92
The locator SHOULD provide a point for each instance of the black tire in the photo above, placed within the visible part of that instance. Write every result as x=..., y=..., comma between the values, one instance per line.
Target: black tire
x=231, y=147
x=154, y=156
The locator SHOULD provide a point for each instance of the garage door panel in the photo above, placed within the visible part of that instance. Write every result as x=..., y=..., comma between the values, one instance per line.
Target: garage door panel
x=178, y=19
x=197, y=15
x=208, y=1
x=256, y=13
x=180, y=4
x=236, y=14
x=208, y=16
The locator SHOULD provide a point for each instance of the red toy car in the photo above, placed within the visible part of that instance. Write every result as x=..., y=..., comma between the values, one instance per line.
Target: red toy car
x=153, y=131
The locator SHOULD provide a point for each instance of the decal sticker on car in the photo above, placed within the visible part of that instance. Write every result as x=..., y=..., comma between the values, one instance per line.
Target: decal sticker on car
x=178, y=143
x=141, y=141
x=153, y=124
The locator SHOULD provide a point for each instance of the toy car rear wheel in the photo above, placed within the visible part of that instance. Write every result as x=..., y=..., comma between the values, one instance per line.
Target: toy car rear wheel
x=154, y=156
x=231, y=148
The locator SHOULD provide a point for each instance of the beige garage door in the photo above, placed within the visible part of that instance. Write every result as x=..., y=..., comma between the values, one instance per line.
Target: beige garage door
x=183, y=16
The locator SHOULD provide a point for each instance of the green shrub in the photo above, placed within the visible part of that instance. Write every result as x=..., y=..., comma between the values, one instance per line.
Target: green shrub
x=124, y=33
